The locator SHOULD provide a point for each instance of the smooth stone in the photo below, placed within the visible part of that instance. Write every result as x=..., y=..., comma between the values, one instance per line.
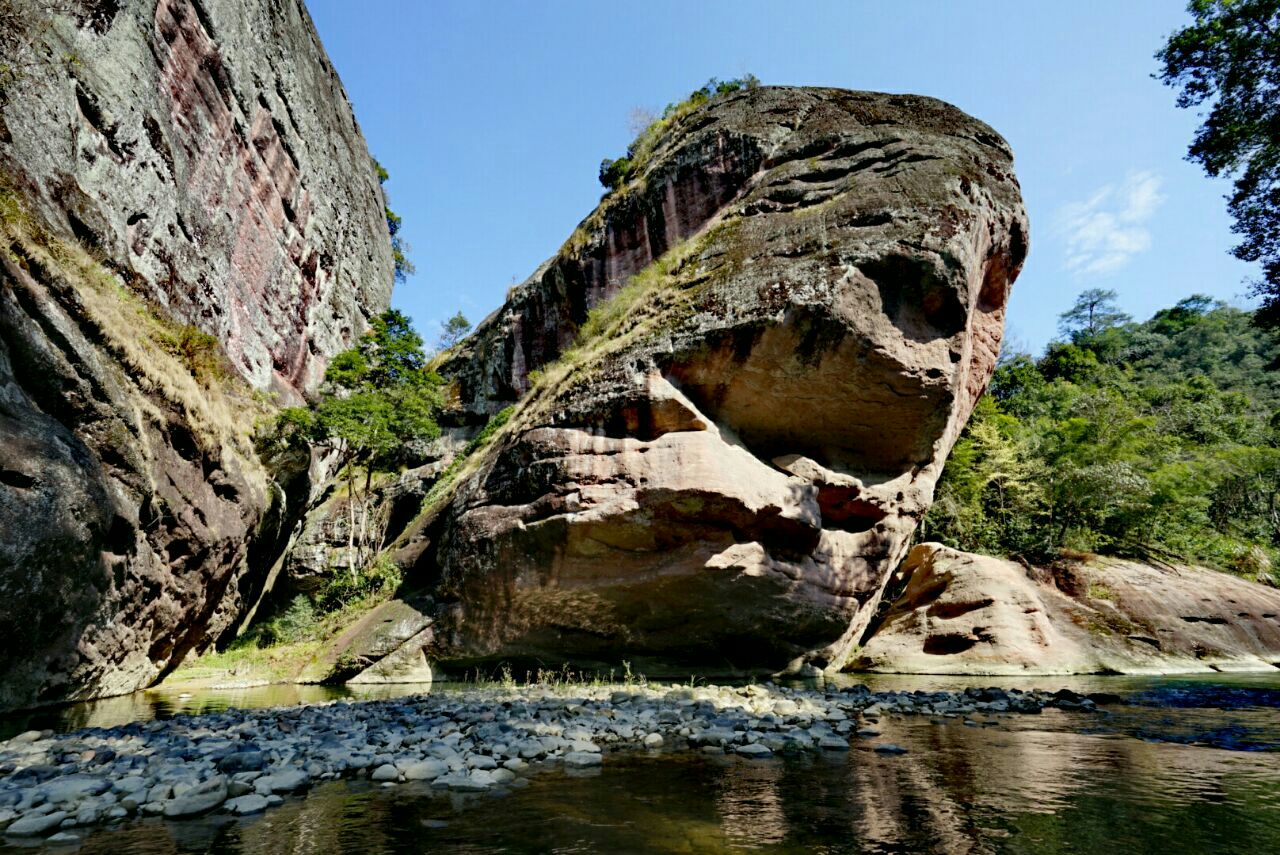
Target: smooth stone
x=243, y=805
x=754, y=749
x=284, y=781
x=653, y=740
x=202, y=799
x=61, y=838
x=130, y=784
x=582, y=759
x=31, y=825
x=889, y=748
x=242, y=761
x=833, y=743
x=424, y=770
x=73, y=787
x=385, y=772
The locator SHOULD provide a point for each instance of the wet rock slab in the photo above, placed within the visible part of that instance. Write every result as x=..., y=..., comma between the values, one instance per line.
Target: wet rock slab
x=243, y=762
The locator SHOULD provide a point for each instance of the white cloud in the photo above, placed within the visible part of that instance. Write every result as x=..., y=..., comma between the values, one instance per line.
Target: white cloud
x=1110, y=227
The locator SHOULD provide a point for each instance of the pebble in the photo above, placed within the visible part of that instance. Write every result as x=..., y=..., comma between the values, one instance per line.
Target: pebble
x=582, y=759
x=244, y=805
x=385, y=772
x=33, y=824
x=478, y=740
x=754, y=749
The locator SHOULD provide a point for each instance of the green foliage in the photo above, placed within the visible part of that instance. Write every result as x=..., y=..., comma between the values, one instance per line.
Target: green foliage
x=616, y=173
x=318, y=616
x=453, y=331
x=1093, y=313
x=1150, y=440
x=375, y=398
x=200, y=352
x=1229, y=60
x=399, y=246
x=291, y=625
x=379, y=580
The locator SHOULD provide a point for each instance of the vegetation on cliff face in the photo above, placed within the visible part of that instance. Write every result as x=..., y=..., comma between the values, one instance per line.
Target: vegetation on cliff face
x=399, y=246
x=376, y=397
x=173, y=361
x=615, y=173
x=1157, y=440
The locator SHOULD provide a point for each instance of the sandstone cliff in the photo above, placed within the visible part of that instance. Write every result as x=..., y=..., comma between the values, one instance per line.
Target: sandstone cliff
x=958, y=613
x=735, y=387
x=192, y=220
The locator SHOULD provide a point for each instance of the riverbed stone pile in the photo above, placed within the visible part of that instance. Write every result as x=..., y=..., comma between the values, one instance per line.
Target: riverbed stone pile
x=481, y=739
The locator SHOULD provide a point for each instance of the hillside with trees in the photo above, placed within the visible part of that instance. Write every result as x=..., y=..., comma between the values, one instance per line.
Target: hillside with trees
x=1155, y=440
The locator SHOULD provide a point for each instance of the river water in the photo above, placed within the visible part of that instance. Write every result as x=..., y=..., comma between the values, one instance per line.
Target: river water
x=1188, y=765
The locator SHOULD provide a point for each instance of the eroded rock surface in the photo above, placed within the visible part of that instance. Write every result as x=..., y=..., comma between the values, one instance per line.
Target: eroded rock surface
x=973, y=614
x=195, y=171
x=798, y=303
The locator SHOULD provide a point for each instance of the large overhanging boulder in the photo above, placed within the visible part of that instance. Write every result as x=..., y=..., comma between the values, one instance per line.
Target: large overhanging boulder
x=797, y=303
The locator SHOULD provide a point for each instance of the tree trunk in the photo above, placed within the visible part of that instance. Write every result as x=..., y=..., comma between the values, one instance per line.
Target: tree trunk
x=351, y=521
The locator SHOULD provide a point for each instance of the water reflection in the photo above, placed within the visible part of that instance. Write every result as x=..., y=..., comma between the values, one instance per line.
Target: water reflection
x=163, y=703
x=1139, y=779
x=1030, y=785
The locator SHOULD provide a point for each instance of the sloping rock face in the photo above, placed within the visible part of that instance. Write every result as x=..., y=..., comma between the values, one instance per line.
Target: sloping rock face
x=797, y=304
x=973, y=614
x=208, y=150
x=173, y=170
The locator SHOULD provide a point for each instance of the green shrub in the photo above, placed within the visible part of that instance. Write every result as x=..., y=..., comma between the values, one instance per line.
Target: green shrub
x=291, y=625
x=199, y=351
x=616, y=173
x=380, y=578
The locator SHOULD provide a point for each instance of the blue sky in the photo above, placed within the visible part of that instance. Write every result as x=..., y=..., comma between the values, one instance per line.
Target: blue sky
x=492, y=118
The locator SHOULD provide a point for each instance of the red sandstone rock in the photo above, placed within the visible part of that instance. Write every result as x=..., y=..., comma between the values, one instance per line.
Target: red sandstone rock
x=198, y=163
x=727, y=472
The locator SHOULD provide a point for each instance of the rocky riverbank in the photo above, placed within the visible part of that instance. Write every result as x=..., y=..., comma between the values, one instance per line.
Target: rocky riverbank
x=484, y=739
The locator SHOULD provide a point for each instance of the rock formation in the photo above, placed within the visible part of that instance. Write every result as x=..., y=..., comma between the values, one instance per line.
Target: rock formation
x=190, y=214
x=737, y=384
x=972, y=614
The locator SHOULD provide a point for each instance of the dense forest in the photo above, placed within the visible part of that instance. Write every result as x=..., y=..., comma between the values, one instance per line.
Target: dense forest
x=1158, y=440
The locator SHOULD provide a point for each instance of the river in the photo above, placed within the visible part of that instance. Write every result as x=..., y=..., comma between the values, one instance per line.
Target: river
x=1187, y=765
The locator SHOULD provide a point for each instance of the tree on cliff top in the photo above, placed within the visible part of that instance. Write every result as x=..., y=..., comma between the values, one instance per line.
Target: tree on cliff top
x=1229, y=59
x=615, y=173
x=376, y=397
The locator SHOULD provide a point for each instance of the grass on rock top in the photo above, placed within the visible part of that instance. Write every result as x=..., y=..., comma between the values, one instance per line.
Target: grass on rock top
x=163, y=358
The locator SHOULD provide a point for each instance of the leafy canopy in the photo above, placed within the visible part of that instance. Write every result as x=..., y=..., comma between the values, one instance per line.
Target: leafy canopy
x=1229, y=60
x=376, y=397
x=453, y=331
x=1157, y=439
